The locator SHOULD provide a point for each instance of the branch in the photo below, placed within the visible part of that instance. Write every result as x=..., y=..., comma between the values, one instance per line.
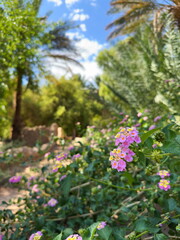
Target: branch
x=76, y=216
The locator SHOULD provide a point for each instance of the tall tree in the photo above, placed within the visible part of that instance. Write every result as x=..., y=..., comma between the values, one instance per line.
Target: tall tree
x=135, y=12
x=32, y=39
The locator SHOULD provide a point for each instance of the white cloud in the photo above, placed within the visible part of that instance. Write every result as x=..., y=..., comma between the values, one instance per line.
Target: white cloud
x=74, y=35
x=78, y=15
x=57, y=2
x=88, y=48
x=83, y=27
x=89, y=71
x=69, y=3
x=93, y=3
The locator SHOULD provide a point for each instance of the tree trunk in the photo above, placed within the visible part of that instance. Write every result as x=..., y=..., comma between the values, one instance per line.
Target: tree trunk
x=16, y=126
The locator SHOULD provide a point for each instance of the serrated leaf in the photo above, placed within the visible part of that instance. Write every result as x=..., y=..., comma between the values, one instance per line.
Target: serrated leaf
x=140, y=225
x=59, y=237
x=67, y=232
x=148, y=134
x=172, y=147
x=105, y=233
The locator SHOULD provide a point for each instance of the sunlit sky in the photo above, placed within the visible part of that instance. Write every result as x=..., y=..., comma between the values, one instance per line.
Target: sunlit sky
x=91, y=16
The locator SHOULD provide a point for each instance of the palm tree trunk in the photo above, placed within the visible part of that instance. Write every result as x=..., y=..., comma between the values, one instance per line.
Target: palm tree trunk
x=16, y=126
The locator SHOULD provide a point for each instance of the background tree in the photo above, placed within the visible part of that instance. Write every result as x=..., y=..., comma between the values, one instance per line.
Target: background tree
x=138, y=76
x=64, y=101
x=134, y=13
x=34, y=40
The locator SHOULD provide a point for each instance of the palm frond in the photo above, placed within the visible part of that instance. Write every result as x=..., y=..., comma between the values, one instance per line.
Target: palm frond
x=63, y=58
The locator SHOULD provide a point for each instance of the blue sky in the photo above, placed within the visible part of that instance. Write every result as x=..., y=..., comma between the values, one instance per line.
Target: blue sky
x=92, y=17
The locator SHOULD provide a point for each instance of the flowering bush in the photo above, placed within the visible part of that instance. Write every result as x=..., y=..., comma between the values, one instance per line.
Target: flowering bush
x=85, y=190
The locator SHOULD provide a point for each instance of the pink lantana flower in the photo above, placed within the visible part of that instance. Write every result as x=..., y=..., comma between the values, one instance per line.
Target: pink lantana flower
x=74, y=237
x=128, y=158
x=46, y=155
x=137, y=139
x=52, y=202
x=63, y=177
x=36, y=236
x=101, y=225
x=157, y=118
x=152, y=127
x=121, y=165
x=76, y=156
x=35, y=188
x=114, y=164
x=1, y=237
x=122, y=138
x=61, y=156
x=163, y=173
x=15, y=179
x=164, y=184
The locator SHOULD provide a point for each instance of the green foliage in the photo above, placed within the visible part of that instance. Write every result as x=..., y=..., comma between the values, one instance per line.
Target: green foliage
x=64, y=101
x=24, y=51
x=142, y=71
x=130, y=202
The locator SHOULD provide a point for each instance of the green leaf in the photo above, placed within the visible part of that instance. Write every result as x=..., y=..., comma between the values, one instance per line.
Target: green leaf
x=66, y=185
x=59, y=237
x=67, y=232
x=172, y=204
x=140, y=225
x=160, y=237
x=105, y=233
x=143, y=224
x=129, y=177
x=92, y=229
x=172, y=146
x=119, y=233
x=89, y=235
x=148, y=134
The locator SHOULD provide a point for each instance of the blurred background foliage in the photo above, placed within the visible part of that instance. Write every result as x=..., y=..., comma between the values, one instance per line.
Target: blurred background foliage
x=64, y=101
x=139, y=72
x=142, y=71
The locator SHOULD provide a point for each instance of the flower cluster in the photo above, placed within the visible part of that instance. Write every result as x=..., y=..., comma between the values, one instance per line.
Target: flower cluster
x=1, y=237
x=163, y=173
x=164, y=184
x=35, y=188
x=76, y=156
x=46, y=155
x=57, y=166
x=36, y=236
x=101, y=225
x=61, y=156
x=74, y=237
x=52, y=202
x=70, y=148
x=122, y=153
x=63, y=177
x=15, y=179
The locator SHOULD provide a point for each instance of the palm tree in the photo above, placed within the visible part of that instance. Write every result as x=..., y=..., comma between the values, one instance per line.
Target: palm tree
x=53, y=43
x=135, y=12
